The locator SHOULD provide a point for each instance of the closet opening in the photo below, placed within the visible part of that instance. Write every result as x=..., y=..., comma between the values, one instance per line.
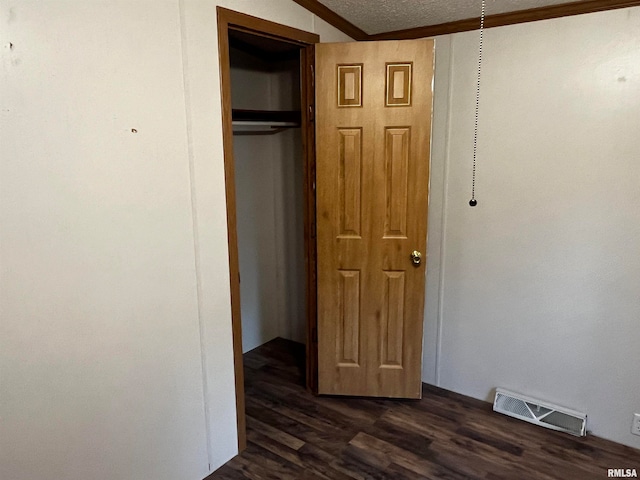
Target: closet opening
x=266, y=72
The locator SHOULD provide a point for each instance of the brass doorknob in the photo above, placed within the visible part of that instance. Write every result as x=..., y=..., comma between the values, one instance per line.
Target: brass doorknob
x=416, y=257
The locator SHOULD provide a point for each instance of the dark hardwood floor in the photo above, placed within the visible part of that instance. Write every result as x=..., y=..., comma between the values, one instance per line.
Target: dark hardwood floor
x=294, y=435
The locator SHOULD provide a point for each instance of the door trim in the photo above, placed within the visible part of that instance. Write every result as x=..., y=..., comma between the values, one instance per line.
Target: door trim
x=231, y=20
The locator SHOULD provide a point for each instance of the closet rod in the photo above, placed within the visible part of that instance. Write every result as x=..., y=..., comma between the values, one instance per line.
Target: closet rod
x=264, y=122
x=266, y=130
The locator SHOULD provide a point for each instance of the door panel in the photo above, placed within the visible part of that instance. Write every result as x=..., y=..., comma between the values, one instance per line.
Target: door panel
x=373, y=125
x=350, y=184
x=348, y=335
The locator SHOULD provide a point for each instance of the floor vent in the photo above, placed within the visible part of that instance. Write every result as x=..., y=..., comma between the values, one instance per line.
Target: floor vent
x=540, y=413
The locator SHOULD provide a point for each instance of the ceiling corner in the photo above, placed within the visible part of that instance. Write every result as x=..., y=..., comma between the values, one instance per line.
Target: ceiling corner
x=331, y=17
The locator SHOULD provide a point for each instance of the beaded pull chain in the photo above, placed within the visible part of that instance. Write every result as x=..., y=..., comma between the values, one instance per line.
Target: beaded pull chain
x=473, y=202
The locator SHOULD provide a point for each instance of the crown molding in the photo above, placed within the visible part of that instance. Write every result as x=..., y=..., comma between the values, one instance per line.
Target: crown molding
x=499, y=20
x=510, y=18
x=331, y=17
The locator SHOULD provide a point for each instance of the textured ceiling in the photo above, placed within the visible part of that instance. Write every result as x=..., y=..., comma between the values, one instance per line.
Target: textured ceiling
x=377, y=16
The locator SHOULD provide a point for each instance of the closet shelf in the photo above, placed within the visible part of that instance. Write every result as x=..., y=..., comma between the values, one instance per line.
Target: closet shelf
x=264, y=122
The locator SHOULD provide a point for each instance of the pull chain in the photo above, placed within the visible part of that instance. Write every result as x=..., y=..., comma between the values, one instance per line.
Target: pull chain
x=473, y=202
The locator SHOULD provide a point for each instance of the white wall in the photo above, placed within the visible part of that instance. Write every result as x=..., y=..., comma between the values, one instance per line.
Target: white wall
x=115, y=325
x=538, y=285
x=100, y=350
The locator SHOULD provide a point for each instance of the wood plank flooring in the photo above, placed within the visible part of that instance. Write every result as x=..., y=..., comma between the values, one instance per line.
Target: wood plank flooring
x=294, y=435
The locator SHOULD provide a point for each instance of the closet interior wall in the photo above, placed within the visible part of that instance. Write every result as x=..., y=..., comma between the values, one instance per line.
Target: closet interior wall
x=269, y=203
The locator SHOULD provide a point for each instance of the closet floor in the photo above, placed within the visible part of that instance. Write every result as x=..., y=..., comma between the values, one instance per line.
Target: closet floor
x=292, y=434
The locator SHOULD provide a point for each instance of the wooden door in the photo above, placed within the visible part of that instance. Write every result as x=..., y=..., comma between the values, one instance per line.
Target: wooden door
x=373, y=127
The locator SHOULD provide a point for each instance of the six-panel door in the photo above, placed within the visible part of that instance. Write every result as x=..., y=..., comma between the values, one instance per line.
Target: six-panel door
x=373, y=125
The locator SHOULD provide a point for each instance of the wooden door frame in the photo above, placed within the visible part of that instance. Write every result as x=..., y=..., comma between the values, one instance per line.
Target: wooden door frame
x=231, y=20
